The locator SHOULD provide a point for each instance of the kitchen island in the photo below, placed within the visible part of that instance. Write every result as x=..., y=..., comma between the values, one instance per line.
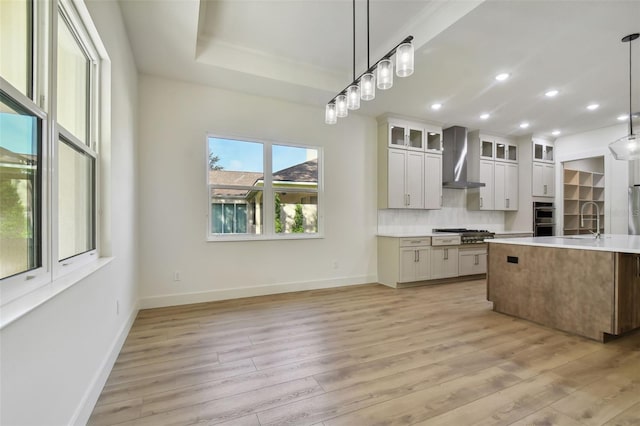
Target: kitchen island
x=578, y=284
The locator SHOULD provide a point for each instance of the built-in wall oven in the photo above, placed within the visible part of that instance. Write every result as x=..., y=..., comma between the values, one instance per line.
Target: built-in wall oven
x=544, y=222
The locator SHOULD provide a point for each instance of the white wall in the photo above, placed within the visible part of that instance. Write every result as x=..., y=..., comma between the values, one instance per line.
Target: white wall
x=617, y=176
x=54, y=360
x=174, y=119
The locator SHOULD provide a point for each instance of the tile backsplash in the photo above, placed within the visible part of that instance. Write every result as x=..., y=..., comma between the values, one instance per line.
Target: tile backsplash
x=453, y=214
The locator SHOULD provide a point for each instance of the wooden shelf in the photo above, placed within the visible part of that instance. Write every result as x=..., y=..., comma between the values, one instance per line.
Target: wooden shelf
x=580, y=187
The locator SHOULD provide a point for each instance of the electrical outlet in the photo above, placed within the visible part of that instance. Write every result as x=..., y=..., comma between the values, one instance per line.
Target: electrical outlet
x=176, y=276
x=336, y=265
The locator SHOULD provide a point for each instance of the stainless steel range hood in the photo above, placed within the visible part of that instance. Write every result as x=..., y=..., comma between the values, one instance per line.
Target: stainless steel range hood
x=454, y=159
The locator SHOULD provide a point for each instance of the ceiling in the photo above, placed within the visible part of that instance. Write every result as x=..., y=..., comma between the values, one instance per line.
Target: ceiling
x=301, y=51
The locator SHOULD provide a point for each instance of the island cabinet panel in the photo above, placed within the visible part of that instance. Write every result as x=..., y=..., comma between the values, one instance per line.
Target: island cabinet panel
x=627, y=297
x=568, y=289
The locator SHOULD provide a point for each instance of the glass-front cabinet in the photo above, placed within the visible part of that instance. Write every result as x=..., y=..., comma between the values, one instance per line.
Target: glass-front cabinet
x=542, y=150
x=406, y=136
x=505, y=151
x=487, y=148
x=434, y=138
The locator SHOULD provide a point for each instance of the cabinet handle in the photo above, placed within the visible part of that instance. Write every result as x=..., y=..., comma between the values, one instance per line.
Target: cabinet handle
x=545, y=190
x=477, y=262
x=418, y=255
x=408, y=199
x=480, y=201
x=446, y=254
x=507, y=202
x=415, y=255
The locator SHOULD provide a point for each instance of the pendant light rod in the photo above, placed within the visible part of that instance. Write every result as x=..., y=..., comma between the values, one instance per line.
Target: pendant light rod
x=368, y=63
x=354, y=40
x=629, y=39
x=388, y=55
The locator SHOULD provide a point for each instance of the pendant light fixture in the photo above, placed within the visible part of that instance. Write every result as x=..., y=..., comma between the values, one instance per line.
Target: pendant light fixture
x=627, y=147
x=380, y=75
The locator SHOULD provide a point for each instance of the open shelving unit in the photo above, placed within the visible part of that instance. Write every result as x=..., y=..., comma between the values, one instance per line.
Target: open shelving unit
x=580, y=187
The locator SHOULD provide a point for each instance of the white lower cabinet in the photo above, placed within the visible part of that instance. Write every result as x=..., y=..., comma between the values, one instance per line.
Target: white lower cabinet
x=472, y=261
x=415, y=264
x=444, y=262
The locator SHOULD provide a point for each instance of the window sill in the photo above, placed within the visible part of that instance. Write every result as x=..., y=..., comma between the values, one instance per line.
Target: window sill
x=244, y=237
x=16, y=309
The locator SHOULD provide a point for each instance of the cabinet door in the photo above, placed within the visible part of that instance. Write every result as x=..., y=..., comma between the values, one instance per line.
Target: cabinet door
x=538, y=151
x=511, y=187
x=397, y=137
x=549, y=180
x=408, y=259
x=423, y=264
x=444, y=262
x=487, y=148
x=396, y=196
x=433, y=181
x=538, y=181
x=472, y=262
x=415, y=180
x=499, y=189
x=627, y=300
x=415, y=138
x=486, y=192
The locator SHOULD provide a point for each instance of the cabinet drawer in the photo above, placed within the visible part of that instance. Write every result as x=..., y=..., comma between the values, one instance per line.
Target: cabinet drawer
x=449, y=240
x=415, y=242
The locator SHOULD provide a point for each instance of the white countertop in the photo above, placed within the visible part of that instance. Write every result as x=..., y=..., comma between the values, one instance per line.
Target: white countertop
x=607, y=242
x=418, y=234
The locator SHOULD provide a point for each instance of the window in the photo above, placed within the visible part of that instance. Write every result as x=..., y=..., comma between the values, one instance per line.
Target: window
x=244, y=203
x=15, y=44
x=47, y=219
x=20, y=190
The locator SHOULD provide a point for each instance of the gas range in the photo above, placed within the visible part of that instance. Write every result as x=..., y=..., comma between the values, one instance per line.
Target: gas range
x=468, y=236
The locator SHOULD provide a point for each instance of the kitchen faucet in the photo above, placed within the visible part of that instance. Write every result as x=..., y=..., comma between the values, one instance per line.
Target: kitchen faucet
x=597, y=219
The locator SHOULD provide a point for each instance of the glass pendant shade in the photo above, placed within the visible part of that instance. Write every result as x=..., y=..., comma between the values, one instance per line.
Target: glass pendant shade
x=404, y=60
x=330, y=116
x=385, y=74
x=353, y=97
x=368, y=87
x=626, y=148
x=341, y=106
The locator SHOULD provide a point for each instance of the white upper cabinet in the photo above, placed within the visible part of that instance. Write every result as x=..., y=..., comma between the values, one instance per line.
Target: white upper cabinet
x=409, y=165
x=505, y=186
x=432, y=181
x=542, y=150
x=544, y=180
x=406, y=135
x=505, y=150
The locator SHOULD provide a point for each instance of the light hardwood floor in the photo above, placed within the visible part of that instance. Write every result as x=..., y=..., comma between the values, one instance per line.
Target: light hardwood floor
x=365, y=355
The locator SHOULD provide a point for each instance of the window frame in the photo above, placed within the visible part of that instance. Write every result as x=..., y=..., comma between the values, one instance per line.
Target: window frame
x=268, y=204
x=42, y=103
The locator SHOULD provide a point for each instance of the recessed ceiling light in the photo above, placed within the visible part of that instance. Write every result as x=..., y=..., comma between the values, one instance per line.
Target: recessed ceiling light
x=551, y=93
x=436, y=106
x=524, y=125
x=623, y=117
x=503, y=76
x=484, y=116
x=592, y=107
x=555, y=132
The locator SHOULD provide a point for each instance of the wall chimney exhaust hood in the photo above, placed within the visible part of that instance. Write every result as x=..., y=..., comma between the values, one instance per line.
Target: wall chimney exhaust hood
x=454, y=159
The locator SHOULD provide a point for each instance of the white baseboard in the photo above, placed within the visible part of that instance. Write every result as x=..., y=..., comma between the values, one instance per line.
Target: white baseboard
x=88, y=402
x=236, y=293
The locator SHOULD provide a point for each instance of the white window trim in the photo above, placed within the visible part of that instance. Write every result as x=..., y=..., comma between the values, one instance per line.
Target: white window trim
x=268, y=205
x=23, y=292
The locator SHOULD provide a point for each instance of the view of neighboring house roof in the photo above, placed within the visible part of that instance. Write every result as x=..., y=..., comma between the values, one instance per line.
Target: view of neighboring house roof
x=303, y=172
x=227, y=177
x=10, y=157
